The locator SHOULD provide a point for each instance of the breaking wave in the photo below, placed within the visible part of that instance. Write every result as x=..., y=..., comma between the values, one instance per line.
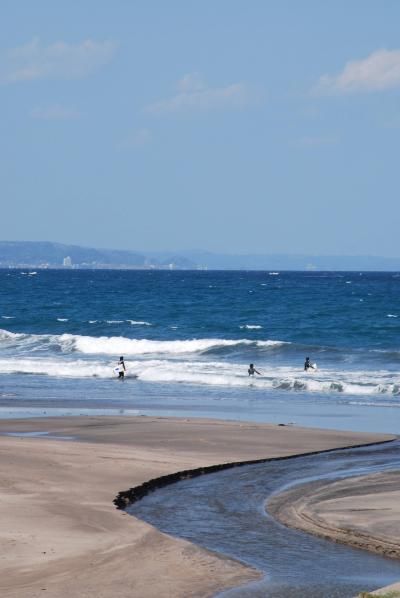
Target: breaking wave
x=172, y=370
x=56, y=368
x=194, y=361
x=113, y=345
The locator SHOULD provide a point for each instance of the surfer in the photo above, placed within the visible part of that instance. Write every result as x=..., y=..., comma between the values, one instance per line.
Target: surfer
x=252, y=370
x=121, y=368
x=308, y=365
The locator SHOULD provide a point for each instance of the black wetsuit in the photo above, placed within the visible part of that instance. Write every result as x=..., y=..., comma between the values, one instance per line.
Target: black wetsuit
x=121, y=370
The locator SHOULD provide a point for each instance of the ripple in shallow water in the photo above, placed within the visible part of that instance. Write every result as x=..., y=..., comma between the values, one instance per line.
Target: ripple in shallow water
x=225, y=512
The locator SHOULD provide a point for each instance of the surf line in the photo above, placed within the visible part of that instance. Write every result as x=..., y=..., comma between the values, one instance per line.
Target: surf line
x=125, y=498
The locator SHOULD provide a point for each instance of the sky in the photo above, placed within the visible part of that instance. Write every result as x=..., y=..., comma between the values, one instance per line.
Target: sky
x=235, y=126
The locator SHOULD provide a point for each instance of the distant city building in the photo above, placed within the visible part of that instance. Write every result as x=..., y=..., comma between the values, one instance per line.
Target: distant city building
x=67, y=262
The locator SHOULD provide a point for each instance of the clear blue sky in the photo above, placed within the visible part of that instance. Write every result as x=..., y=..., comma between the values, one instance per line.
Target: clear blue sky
x=229, y=125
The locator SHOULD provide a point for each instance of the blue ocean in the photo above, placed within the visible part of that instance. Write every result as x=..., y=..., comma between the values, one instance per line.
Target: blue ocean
x=188, y=338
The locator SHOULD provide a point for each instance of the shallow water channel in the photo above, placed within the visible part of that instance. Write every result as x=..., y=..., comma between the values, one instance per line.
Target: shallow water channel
x=225, y=512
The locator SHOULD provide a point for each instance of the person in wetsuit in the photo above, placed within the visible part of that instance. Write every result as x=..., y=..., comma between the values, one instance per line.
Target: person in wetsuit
x=121, y=368
x=308, y=365
x=252, y=370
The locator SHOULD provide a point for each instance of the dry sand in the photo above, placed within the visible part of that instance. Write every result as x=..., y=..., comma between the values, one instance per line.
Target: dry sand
x=60, y=533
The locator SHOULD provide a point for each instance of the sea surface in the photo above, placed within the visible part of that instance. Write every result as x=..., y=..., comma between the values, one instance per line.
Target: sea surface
x=188, y=338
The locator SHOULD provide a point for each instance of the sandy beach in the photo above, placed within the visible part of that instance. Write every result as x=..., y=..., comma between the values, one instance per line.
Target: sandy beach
x=363, y=511
x=61, y=534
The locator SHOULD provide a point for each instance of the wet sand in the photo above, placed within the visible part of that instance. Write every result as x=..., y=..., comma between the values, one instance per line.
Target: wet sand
x=60, y=533
x=362, y=511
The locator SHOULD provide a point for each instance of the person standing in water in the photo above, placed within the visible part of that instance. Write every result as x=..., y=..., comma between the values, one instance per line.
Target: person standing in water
x=308, y=365
x=252, y=370
x=121, y=368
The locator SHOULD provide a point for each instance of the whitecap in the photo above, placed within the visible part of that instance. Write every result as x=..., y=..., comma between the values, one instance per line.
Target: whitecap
x=7, y=335
x=138, y=323
x=62, y=319
x=56, y=368
x=171, y=366
x=251, y=326
x=129, y=346
x=391, y=316
x=8, y=317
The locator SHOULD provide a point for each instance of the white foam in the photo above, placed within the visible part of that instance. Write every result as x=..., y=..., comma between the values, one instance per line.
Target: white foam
x=56, y=368
x=138, y=323
x=114, y=321
x=6, y=335
x=251, y=326
x=182, y=361
x=122, y=345
x=211, y=373
x=391, y=316
x=8, y=317
x=62, y=319
x=283, y=378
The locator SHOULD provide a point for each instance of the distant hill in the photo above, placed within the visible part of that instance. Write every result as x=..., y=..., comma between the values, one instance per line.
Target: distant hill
x=52, y=255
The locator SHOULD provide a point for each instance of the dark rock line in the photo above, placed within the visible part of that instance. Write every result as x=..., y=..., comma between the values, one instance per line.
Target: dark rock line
x=127, y=497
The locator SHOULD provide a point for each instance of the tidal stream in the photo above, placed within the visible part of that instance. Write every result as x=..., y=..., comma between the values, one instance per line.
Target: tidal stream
x=225, y=512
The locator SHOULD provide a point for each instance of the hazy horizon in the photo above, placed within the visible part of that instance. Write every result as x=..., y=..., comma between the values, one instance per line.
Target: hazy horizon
x=194, y=250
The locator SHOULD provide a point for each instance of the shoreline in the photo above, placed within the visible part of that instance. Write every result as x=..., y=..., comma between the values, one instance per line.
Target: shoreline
x=360, y=511
x=125, y=498
x=60, y=531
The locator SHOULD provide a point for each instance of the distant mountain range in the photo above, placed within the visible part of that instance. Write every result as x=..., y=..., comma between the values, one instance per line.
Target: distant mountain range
x=34, y=254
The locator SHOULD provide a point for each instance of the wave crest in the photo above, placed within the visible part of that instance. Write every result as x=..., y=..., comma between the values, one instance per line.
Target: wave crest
x=183, y=370
x=120, y=345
